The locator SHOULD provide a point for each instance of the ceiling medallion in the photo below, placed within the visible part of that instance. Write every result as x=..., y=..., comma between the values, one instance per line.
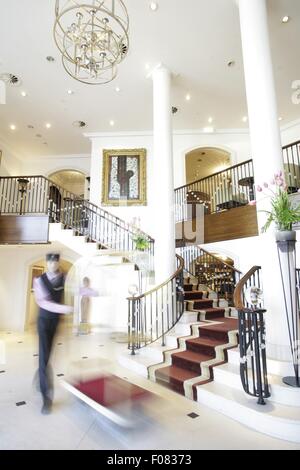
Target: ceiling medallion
x=92, y=37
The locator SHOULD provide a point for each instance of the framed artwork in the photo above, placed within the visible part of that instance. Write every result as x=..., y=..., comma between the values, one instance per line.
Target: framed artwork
x=124, y=177
x=36, y=272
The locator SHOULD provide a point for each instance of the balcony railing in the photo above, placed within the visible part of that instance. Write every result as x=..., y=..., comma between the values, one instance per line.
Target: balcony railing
x=233, y=187
x=37, y=195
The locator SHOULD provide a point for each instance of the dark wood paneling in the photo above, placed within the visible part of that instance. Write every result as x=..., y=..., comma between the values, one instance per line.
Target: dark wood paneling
x=229, y=225
x=24, y=229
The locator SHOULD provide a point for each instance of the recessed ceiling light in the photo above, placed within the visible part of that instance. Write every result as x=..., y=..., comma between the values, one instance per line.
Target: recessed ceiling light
x=280, y=118
x=24, y=94
x=111, y=123
x=231, y=63
x=245, y=119
x=48, y=125
x=285, y=19
x=49, y=58
x=188, y=97
x=30, y=126
x=70, y=92
x=210, y=120
x=153, y=6
x=13, y=127
x=118, y=89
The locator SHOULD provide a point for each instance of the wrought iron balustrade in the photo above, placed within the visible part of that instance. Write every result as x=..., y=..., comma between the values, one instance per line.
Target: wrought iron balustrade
x=252, y=335
x=233, y=187
x=211, y=271
x=37, y=195
x=153, y=314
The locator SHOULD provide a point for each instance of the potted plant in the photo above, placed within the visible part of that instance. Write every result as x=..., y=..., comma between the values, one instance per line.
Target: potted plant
x=282, y=212
x=141, y=242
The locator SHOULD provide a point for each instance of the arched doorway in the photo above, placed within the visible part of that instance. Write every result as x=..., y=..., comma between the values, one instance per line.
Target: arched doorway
x=71, y=180
x=34, y=270
x=205, y=161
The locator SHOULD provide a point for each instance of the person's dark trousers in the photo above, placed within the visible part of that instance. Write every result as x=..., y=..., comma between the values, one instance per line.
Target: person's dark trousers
x=46, y=329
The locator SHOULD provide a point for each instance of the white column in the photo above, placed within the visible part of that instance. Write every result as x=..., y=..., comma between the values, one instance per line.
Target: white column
x=267, y=157
x=163, y=197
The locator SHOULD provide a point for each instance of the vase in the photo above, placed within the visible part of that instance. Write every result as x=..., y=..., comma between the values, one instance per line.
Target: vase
x=286, y=245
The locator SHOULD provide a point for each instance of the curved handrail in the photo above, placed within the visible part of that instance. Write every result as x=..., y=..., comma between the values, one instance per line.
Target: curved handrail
x=238, y=296
x=153, y=314
x=171, y=278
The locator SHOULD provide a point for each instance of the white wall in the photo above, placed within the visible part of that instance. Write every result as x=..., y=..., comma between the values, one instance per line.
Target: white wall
x=290, y=132
x=10, y=164
x=15, y=261
x=46, y=165
x=236, y=143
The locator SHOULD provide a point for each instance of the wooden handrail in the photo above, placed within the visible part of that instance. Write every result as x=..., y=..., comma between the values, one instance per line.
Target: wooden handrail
x=174, y=276
x=238, y=292
x=221, y=261
x=291, y=145
x=214, y=174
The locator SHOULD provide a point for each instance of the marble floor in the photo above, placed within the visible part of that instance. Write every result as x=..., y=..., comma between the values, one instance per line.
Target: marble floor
x=165, y=424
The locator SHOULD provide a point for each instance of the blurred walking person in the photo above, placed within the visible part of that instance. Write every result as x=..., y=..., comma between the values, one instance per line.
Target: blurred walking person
x=49, y=290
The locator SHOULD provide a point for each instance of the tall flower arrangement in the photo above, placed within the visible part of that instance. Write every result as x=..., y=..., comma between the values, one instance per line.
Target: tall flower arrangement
x=282, y=212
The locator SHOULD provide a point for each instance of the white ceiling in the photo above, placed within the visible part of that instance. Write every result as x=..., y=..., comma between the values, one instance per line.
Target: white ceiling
x=194, y=38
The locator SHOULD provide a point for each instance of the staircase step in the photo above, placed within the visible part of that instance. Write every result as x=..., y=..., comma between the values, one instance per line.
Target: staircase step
x=189, y=360
x=204, y=346
x=212, y=313
x=194, y=295
x=219, y=331
x=229, y=375
x=173, y=377
x=203, y=304
x=279, y=421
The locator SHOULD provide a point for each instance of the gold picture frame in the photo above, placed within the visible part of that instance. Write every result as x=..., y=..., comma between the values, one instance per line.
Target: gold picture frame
x=124, y=181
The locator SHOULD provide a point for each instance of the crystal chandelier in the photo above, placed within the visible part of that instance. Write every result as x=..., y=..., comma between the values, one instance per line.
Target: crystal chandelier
x=92, y=37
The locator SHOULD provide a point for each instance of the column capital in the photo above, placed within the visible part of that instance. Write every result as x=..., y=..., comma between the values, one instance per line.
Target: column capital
x=159, y=68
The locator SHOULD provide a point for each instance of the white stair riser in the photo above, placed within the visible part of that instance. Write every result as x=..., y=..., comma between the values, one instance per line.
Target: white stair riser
x=279, y=368
x=137, y=367
x=279, y=428
x=281, y=394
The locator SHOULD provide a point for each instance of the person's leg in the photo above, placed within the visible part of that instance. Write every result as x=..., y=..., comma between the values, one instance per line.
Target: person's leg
x=46, y=329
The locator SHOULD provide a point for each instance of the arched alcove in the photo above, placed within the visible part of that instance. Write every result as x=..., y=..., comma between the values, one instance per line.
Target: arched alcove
x=205, y=161
x=71, y=180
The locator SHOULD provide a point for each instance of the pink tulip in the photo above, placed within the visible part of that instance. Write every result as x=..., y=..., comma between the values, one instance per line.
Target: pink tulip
x=272, y=182
x=252, y=203
x=259, y=189
x=266, y=185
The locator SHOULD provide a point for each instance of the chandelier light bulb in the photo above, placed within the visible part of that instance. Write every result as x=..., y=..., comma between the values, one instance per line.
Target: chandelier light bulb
x=153, y=6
